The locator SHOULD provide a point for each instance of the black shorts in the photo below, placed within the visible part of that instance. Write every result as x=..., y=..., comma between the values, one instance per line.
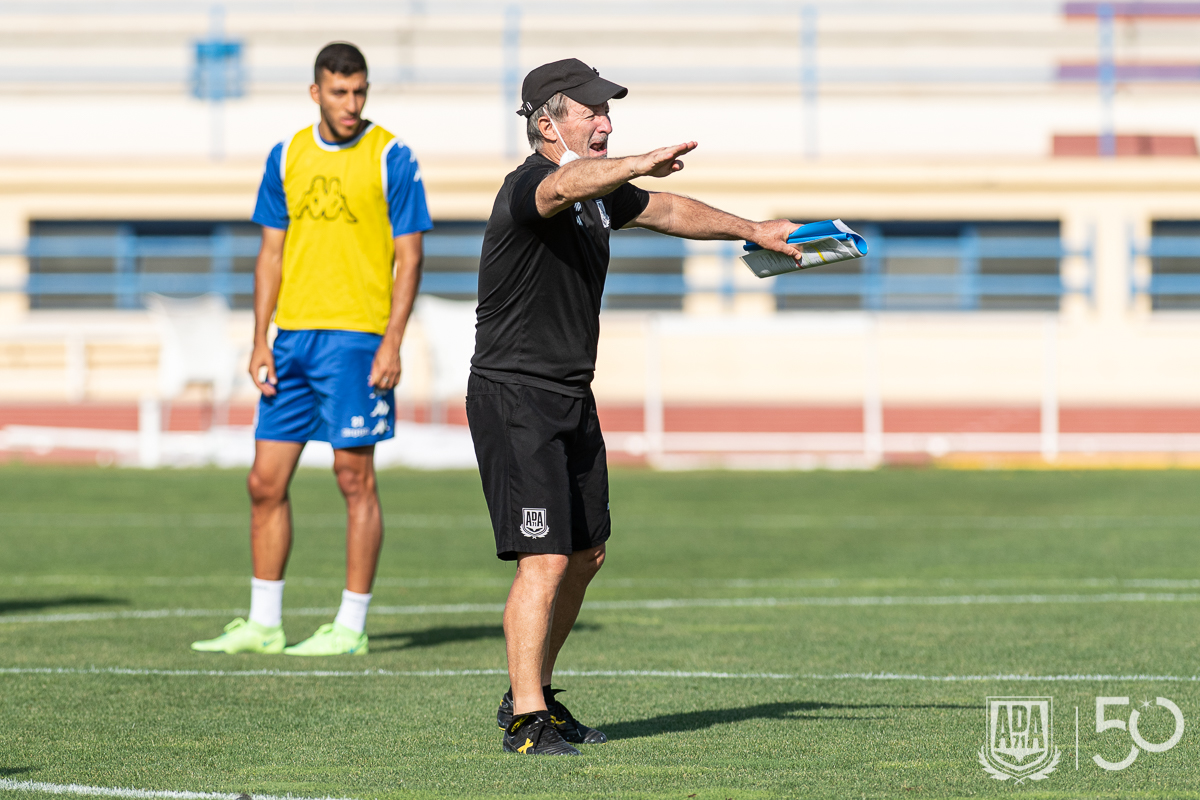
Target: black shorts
x=544, y=468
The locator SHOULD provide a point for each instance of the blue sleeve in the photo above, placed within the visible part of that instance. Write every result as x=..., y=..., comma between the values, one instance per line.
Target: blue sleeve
x=406, y=193
x=271, y=209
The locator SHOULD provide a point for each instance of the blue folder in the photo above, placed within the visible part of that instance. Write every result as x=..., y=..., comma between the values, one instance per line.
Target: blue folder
x=826, y=229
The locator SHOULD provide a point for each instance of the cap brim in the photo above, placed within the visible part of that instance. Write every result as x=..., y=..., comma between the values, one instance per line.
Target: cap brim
x=595, y=92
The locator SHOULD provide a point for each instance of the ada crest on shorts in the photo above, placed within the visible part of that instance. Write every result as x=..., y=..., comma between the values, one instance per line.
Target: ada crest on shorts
x=533, y=522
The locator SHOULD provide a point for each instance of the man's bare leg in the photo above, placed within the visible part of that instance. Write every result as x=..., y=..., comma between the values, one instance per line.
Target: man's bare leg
x=355, y=471
x=582, y=566
x=270, y=507
x=270, y=545
x=528, y=615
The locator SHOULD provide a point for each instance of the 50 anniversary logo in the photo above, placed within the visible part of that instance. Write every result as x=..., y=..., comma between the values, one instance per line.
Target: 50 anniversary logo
x=1020, y=736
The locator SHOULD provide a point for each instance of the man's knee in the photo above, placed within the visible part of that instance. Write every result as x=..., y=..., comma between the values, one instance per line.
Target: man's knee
x=586, y=563
x=266, y=487
x=542, y=567
x=355, y=479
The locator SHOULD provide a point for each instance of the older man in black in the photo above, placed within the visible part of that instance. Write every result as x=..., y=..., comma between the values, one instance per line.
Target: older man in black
x=529, y=403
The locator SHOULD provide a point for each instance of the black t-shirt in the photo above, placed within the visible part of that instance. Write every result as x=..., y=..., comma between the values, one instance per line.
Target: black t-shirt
x=540, y=282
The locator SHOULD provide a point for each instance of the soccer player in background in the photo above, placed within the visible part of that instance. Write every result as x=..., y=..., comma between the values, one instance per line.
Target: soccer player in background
x=342, y=209
x=529, y=400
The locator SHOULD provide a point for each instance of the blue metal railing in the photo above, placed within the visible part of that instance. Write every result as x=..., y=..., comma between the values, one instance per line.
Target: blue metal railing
x=966, y=288
x=1165, y=284
x=875, y=284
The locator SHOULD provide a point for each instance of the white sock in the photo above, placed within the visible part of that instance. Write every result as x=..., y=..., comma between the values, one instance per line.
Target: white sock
x=353, y=613
x=266, y=603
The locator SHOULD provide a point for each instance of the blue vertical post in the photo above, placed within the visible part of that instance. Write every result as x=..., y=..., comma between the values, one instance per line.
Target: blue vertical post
x=872, y=269
x=1106, y=78
x=1090, y=254
x=222, y=262
x=216, y=32
x=968, y=268
x=808, y=77
x=126, y=268
x=512, y=76
x=217, y=75
x=728, y=290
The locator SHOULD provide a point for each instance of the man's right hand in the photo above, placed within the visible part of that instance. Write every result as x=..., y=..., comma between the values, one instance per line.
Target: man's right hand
x=773, y=235
x=262, y=369
x=661, y=162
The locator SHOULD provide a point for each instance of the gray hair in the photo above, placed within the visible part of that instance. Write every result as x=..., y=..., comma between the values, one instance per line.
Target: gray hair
x=556, y=109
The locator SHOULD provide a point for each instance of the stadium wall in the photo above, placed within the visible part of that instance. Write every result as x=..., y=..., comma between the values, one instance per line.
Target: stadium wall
x=976, y=112
x=1112, y=347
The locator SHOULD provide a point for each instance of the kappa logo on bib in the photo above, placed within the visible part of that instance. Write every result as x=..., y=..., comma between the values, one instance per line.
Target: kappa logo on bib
x=533, y=523
x=325, y=200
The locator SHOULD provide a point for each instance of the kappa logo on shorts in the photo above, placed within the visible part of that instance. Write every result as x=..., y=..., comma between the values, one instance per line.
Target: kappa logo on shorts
x=533, y=523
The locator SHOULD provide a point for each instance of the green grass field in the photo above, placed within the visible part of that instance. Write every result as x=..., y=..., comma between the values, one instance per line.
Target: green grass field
x=753, y=635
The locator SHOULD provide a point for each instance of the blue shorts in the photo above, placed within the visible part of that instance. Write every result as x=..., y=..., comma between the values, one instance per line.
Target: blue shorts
x=323, y=394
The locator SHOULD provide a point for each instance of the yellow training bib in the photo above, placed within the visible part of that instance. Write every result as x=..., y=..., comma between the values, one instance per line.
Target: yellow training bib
x=338, y=254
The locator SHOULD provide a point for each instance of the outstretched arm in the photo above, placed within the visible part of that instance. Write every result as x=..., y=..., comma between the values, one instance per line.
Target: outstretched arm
x=686, y=218
x=589, y=178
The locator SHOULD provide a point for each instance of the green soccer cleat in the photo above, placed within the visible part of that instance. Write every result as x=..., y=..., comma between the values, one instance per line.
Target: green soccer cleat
x=241, y=636
x=331, y=639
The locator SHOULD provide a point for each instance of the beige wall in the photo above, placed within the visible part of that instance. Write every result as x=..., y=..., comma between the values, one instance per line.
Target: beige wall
x=896, y=78
x=1110, y=348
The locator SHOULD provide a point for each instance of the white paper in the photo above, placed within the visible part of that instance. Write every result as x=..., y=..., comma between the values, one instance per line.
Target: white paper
x=765, y=263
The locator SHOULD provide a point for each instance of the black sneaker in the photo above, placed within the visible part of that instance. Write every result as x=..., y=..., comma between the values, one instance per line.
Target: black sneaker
x=571, y=729
x=534, y=735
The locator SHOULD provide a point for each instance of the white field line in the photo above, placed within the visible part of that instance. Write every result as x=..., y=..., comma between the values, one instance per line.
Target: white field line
x=138, y=794
x=135, y=519
x=158, y=613
x=480, y=582
x=10, y=519
x=251, y=673
x=599, y=673
x=622, y=605
x=470, y=582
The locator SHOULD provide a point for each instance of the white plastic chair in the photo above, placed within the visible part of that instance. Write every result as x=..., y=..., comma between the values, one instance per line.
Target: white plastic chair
x=449, y=327
x=194, y=346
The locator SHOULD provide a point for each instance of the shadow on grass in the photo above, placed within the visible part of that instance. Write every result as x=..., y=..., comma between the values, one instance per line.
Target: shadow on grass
x=42, y=603
x=447, y=634
x=8, y=772
x=699, y=720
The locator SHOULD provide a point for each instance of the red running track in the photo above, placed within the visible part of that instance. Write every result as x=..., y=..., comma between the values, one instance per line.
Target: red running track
x=739, y=419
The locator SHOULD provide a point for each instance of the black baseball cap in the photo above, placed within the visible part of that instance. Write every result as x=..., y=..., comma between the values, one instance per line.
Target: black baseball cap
x=573, y=78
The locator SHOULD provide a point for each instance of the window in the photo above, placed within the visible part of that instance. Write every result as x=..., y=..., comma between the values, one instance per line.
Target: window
x=938, y=266
x=645, y=270
x=452, y=259
x=77, y=264
x=1175, y=265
